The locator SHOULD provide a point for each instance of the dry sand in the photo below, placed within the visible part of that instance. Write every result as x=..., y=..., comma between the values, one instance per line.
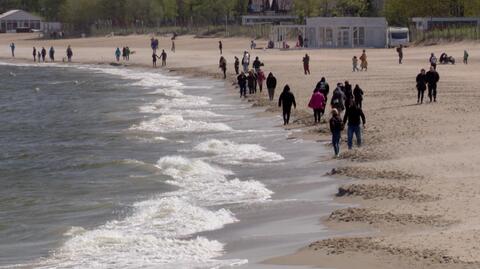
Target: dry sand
x=417, y=176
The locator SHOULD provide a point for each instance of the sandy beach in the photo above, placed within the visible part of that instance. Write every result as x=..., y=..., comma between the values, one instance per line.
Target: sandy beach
x=416, y=177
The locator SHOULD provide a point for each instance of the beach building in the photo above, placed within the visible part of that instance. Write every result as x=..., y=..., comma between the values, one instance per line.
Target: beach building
x=431, y=23
x=335, y=32
x=19, y=21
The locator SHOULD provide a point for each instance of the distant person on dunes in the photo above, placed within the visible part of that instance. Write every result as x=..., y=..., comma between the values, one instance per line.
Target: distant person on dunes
x=252, y=82
x=51, y=54
x=317, y=103
x=220, y=47
x=433, y=61
x=117, y=54
x=271, y=85
x=12, y=48
x=421, y=86
x=363, y=61
x=338, y=99
x=465, y=57
x=245, y=61
x=432, y=77
x=400, y=54
x=34, y=52
x=223, y=66
x=242, y=83
x=163, y=56
x=306, y=64
x=154, y=59
x=355, y=64
x=260, y=79
x=69, y=53
x=358, y=96
x=44, y=54
x=336, y=128
x=286, y=100
x=236, y=65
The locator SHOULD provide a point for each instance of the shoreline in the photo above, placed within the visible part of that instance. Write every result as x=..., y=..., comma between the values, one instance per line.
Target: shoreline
x=260, y=219
x=414, y=178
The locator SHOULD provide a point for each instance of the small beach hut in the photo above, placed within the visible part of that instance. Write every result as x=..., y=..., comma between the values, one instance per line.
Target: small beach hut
x=19, y=21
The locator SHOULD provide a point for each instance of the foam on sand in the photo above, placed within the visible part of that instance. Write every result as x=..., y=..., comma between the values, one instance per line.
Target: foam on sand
x=229, y=152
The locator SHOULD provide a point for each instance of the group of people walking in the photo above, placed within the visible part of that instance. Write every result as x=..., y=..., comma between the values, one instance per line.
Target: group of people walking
x=252, y=79
x=427, y=80
x=344, y=98
x=40, y=55
x=124, y=53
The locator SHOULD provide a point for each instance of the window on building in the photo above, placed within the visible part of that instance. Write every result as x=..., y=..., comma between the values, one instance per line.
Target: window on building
x=328, y=36
x=359, y=36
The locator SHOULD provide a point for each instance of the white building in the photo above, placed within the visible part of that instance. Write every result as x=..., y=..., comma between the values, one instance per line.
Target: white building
x=19, y=21
x=337, y=32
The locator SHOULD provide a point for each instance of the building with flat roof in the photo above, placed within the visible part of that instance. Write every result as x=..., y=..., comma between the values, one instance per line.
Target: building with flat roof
x=336, y=32
x=19, y=21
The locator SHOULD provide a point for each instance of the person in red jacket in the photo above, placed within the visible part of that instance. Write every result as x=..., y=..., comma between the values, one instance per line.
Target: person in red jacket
x=317, y=103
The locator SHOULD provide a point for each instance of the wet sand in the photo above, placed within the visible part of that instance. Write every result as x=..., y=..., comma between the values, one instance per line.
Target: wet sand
x=416, y=177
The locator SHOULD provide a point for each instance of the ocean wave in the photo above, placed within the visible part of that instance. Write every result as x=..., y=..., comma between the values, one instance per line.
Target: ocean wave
x=190, y=113
x=208, y=184
x=176, y=123
x=228, y=152
x=157, y=235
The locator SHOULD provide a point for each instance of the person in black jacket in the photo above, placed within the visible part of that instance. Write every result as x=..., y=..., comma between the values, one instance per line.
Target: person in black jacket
x=347, y=90
x=242, y=83
x=421, y=86
x=353, y=116
x=432, y=77
x=286, y=100
x=323, y=87
x=336, y=128
x=358, y=96
x=257, y=64
x=236, y=65
x=271, y=85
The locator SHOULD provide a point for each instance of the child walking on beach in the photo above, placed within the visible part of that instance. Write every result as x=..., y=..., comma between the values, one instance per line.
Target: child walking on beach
x=355, y=64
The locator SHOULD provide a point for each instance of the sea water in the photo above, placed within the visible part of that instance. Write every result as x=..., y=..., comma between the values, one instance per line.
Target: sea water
x=104, y=167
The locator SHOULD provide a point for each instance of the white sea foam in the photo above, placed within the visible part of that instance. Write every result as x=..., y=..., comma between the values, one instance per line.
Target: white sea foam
x=176, y=123
x=189, y=113
x=229, y=152
x=209, y=184
x=156, y=235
